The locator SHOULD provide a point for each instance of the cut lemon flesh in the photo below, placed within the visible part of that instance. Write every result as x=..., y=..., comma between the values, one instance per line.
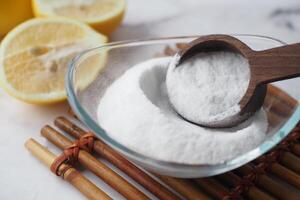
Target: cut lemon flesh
x=34, y=58
x=104, y=15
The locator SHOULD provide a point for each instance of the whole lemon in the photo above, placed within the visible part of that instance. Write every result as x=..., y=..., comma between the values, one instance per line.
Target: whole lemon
x=12, y=13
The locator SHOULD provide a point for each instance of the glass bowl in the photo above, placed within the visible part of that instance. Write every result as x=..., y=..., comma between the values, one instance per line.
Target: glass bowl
x=123, y=55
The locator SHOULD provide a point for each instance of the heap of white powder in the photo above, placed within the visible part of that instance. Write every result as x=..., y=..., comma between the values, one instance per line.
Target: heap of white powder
x=208, y=87
x=136, y=112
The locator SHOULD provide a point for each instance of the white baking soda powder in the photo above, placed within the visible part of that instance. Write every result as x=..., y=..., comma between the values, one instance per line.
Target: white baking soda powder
x=209, y=86
x=136, y=112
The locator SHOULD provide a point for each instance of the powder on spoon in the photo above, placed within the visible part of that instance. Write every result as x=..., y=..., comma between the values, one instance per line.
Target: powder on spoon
x=208, y=87
x=136, y=112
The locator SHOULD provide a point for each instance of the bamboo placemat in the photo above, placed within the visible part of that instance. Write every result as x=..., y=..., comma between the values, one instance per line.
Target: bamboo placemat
x=275, y=175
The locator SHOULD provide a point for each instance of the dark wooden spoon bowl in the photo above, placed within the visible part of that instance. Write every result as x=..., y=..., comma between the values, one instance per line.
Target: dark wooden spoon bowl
x=265, y=67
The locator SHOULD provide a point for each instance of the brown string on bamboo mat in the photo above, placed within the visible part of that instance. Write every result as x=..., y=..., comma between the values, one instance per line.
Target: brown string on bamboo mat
x=70, y=153
x=68, y=173
x=260, y=171
x=119, y=161
x=97, y=167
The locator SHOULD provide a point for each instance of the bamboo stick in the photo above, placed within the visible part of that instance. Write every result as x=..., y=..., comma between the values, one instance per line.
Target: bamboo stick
x=169, y=51
x=274, y=119
x=264, y=181
x=95, y=166
x=296, y=149
x=70, y=112
x=280, y=95
x=184, y=187
x=286, y=174
x=290, y=161
x=86, y=187
x=182, y=46
x=280, y=107
x=253, y=193
x=212, y=187
x=119, y=161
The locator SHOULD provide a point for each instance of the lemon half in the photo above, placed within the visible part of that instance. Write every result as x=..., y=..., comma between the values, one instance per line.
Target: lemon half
x=34, y=58
x=103, y=15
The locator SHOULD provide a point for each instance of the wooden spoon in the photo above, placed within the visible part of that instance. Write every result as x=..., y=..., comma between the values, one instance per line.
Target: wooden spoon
x=265, y=67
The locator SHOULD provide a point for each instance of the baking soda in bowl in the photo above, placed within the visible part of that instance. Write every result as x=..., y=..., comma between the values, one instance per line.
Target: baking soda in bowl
x=135, y=111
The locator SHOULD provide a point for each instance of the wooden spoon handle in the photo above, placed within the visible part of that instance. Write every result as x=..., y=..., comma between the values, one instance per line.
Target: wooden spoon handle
x=275, y=64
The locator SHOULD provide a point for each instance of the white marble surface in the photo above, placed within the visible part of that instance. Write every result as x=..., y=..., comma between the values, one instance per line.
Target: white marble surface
x=23, y=177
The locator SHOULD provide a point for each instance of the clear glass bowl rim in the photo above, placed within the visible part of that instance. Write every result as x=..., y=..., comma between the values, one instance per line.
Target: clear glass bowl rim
x=210, y=169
